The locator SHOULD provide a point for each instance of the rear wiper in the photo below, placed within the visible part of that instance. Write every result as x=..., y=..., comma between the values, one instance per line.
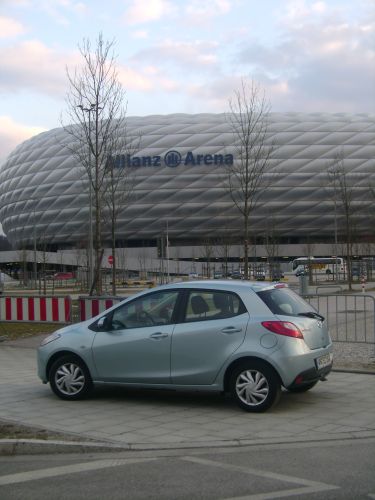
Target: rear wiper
x=312, y=314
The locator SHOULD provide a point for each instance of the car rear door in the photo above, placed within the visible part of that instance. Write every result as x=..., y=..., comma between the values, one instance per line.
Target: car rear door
x=206, y=337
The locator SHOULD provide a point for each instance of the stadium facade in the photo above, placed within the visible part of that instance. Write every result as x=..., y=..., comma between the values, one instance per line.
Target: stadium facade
x=180, y=174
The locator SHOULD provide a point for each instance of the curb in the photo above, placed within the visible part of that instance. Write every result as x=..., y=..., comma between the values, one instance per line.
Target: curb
x=11, y=447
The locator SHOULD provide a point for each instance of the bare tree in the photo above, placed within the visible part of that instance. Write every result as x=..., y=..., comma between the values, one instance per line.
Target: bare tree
x=95, y=105
x=122, y=262
x=249, y=118
x=343, y=189
x=22, y=259
x=119, y=186
x=44, y=260
x=223, y=250
x=272, y=246
x=207, y=254
x=309, y=250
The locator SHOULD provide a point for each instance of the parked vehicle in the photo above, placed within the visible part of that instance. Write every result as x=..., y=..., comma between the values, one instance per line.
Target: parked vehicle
x=245, y=338
x=259, y=273
x=237, y=275
x=63, y=276
x=319, y=265
x=277, y=275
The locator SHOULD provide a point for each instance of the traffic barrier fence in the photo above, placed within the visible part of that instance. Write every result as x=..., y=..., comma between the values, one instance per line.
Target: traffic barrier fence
x=39, y=309
x=350, y=318
x=90, y=306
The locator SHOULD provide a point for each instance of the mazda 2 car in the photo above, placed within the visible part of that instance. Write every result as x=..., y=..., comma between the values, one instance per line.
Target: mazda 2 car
x=247, y=339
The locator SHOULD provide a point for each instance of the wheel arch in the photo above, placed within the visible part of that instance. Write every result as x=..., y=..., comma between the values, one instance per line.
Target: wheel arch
x=61, y=354
x=239, y=361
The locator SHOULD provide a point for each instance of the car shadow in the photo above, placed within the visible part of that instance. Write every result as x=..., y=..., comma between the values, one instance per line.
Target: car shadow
x=162, y=397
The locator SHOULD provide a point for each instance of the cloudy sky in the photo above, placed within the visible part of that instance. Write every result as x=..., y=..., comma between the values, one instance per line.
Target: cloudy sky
x=187, y=55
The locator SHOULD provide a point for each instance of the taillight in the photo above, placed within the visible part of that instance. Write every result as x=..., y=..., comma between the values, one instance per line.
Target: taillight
x=283, y=328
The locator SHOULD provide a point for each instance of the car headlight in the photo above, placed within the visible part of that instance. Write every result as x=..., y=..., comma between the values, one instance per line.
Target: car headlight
x=50, y=338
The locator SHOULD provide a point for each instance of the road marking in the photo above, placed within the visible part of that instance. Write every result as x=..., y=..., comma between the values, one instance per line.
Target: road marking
x=22, y=477
x=307, y=486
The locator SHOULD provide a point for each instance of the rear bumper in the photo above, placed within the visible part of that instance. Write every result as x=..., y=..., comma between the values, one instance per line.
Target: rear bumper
x=308, y=376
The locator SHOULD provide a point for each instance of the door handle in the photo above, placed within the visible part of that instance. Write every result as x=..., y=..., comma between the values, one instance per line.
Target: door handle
x=231, y=329
x=158, y=336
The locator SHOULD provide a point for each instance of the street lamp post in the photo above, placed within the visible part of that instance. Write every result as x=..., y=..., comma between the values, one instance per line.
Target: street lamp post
x=35, y=265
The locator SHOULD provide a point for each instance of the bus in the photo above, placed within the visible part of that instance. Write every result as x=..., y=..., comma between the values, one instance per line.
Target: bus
x=319, y=265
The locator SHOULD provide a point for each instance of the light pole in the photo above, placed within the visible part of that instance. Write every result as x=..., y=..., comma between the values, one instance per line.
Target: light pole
x=167, y=253
x=34, y=245
x=89, y=110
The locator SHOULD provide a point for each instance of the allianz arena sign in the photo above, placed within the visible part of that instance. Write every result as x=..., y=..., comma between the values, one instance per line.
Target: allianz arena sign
x=173, y=159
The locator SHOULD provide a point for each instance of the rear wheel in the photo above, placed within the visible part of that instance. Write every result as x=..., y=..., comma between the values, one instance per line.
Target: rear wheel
x=69, y=378
x=303, y=388
x=255, y=386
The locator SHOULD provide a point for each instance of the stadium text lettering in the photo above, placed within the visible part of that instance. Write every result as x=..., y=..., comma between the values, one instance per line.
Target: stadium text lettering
x=172, y=159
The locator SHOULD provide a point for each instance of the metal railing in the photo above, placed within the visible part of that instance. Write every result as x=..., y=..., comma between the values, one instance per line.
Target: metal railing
x=350, y=318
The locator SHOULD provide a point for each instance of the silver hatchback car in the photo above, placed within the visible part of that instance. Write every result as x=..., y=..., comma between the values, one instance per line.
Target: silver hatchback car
x=247, y=339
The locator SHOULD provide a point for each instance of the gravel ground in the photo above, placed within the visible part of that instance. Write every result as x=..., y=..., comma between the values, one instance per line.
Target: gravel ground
x=11, y=430
x=354, y=356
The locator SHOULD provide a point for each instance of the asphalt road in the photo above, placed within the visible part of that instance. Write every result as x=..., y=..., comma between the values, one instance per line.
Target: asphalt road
x=338, y=469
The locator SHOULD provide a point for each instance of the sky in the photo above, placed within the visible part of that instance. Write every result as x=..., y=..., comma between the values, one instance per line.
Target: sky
x=186, y=56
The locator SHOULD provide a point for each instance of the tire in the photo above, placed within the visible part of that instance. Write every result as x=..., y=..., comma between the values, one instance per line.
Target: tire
x=255, y=386
x=303, y=388
x=69, y=378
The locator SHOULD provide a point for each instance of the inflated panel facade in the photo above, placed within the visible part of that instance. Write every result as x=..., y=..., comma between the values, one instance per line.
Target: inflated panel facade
x=180, y=178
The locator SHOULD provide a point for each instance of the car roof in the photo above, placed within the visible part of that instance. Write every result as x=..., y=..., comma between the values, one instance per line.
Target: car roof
x=232, y=285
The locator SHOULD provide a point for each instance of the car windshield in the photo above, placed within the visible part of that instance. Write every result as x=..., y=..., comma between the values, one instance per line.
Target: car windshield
x=283, y=301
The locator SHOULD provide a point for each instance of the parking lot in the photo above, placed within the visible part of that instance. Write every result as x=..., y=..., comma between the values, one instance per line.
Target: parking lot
x=343, y=406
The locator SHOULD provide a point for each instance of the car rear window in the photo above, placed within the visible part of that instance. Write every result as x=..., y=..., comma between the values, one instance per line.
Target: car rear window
x=283, y=301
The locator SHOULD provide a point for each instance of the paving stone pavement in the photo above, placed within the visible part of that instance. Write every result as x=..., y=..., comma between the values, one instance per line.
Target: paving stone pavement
x=342, y=407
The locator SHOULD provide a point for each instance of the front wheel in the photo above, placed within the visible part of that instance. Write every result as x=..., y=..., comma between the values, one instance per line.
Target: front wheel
x=255, y=386
x=69, y=378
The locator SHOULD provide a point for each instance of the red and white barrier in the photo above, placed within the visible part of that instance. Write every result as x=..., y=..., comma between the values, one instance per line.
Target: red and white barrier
x=38, y=309
x=91, y=306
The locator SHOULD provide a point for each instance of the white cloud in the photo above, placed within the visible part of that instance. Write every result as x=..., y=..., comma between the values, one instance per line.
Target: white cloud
x=297, y=12
x=326, y=62
x=139, y=34
x=13, y=133
x=141, y=12
x=148, y=79
x=32, y=65
x=199, y=11
x=61, y=10
x=10, y=27
x=195, y=54
x=134, y=80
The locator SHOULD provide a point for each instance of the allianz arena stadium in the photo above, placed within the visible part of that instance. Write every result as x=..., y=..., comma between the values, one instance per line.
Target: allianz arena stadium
x=180, y=182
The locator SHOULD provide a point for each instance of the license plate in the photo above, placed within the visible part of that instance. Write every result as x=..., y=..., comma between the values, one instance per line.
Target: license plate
x=323, y=361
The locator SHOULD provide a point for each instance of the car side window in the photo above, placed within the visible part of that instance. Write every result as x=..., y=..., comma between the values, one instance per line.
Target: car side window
x=208, y=305
x=153, y=309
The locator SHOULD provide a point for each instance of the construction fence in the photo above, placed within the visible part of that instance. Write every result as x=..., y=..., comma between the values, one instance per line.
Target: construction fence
x=350, y=317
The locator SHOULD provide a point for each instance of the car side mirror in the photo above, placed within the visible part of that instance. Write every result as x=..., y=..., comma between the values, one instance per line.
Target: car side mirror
x=103, y=323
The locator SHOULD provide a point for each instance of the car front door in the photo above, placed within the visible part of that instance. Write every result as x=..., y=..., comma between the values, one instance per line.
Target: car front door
x=136, y=346
x=214, y=326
